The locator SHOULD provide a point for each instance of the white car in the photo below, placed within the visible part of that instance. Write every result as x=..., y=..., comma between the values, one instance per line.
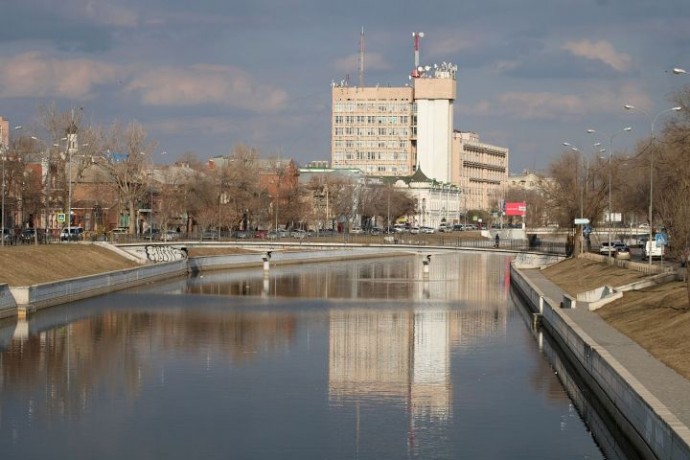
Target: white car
x=356, y=230
x=427, y=230
x=170, y=235
x=604, y=248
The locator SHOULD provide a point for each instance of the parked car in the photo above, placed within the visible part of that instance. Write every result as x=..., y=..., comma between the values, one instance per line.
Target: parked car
x=623, y=252
x=298, y=233
x=427, y=230
x=28, y=235
x=356, y=230
x=71, y=234
x=651, y=248
x=170, y=235
x=117, y=232
x=605, y=250
x=151, y=234
x=209, y=235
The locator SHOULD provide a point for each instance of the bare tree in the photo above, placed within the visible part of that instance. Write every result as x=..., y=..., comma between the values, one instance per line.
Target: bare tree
x=122, y=154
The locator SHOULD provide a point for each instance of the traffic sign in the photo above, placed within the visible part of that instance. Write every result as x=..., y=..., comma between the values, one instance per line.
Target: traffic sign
x=581, y=221
x=661, y=239
x=61, y=217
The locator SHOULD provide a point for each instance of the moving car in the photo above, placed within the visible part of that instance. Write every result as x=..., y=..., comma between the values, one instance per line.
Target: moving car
x=623, y=252
x=653, y=250
x=605, y=250
x=71, y=233
x=170, y=235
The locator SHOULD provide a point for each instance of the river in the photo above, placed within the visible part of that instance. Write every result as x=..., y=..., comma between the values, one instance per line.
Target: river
x=370, y=359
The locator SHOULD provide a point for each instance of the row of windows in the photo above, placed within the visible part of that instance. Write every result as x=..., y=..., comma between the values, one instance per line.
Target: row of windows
x=360, y=132
x=381, y=144
x=370, y=156
x=485, y=150
x=370, y=120
x=388, y=107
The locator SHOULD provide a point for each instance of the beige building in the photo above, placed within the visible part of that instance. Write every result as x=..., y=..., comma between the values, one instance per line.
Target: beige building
x=372, y=129
x=480, y=170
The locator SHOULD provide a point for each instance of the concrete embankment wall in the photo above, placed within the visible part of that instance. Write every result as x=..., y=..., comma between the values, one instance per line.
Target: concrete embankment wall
x=8, y=306
x=29, y=298
x=220, y=262
x=649, y=426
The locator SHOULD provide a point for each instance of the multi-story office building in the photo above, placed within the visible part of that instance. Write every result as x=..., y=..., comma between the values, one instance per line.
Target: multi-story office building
x=372, y=129
x=387, y=131
x=480, y=170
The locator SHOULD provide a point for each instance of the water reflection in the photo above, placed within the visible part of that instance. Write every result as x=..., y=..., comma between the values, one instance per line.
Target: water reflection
x=451, y=277
x=193, y=368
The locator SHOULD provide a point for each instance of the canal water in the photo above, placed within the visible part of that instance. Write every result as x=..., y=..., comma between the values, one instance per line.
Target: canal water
x=370, y=359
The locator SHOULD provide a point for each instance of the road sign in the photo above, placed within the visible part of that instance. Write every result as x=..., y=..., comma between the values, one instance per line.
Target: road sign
x=581, y=221
x=661, y=239
x=61, y=217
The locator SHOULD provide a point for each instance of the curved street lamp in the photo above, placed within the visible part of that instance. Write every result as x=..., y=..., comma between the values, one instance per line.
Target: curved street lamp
x=624, y=130
x=652, y=121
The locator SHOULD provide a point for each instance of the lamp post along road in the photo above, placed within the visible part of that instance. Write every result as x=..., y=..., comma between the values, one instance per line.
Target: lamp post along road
x=624, y=130
x=652, y=121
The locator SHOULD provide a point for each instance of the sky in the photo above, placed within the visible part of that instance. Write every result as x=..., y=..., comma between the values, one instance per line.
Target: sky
x=208, y=75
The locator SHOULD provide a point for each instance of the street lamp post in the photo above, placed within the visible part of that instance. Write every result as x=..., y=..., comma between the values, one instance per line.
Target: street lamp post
x=652, y=121
x=624, y=130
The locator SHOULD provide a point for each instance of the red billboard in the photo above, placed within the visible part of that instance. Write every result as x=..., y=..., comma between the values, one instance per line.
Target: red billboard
x=516, y=209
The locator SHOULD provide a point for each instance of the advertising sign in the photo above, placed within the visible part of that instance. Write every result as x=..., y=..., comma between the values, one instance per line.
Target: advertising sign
x=516, y=209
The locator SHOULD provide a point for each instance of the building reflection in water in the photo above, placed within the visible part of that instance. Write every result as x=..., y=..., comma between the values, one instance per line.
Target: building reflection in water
x=451, y=277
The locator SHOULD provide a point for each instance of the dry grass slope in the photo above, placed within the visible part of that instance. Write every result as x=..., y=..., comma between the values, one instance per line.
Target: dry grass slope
x=657, y=318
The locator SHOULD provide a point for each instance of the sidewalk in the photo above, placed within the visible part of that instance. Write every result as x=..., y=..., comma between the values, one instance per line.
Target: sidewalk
x=669, y=388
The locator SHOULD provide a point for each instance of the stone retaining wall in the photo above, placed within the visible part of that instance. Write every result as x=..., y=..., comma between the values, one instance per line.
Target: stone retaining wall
x=8, y=306
x=220, y=262
x=656, y=433
x=29, y=298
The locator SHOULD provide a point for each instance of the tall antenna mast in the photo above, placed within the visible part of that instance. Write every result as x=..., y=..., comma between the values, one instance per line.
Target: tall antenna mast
x=416, y=36
x=361, y=58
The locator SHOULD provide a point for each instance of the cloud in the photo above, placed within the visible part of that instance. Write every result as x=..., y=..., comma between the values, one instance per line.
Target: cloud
x=372, y=61
x=206, y=84
x=34, y=75
x=108, y=14
x=548, y=105
x=600, y=51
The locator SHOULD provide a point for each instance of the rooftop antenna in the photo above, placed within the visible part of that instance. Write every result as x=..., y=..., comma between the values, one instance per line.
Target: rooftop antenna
x=361, y=58
x=416, y=36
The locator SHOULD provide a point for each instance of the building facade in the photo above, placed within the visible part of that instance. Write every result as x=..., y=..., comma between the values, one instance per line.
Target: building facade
x=480, y=170
x=372, y=129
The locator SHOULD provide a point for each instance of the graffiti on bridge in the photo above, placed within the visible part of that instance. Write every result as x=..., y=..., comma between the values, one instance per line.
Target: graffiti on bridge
x=165, y=253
